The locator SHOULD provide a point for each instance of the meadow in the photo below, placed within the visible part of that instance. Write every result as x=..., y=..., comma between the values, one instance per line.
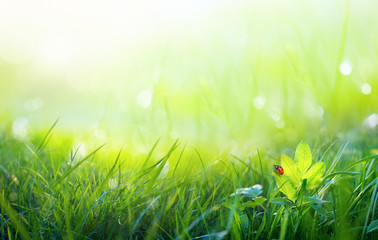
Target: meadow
x=168, y=123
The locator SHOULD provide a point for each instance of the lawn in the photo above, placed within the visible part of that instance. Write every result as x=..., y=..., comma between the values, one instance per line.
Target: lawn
x=52, y=191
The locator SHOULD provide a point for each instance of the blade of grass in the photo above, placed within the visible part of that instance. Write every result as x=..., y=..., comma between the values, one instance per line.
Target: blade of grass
x=149, y=155
x=71, y=169
x=160, y=167
x=261, y=167
x=337, y=158
x=143, y=213
x=110, y=173
x=178, y=161
x=284, y=224
x=371, y=206
x=44, y=142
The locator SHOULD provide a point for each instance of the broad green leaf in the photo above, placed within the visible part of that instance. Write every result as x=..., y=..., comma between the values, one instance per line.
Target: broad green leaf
x=286, y=187
x=251, y=192
x=314, y=199
x=283, y=201
x=303, y=157
x=319, y=209
x=244, y=223
x=314, y=174
x=258, y=201
x=373, y=226
x=291, y=170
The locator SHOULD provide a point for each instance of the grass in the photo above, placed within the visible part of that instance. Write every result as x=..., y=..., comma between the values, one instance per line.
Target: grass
x=49, y=190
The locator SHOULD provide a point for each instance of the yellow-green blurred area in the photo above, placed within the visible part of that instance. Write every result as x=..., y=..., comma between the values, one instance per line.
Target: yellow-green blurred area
x=226, y=74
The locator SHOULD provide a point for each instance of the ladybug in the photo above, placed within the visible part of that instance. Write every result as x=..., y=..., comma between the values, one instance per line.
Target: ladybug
x=279, y=169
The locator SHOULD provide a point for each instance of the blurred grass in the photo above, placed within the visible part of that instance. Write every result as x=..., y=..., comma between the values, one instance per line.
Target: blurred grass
x=248, y=74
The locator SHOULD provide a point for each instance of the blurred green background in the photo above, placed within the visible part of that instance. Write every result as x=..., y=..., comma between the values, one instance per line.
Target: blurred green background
x=226, y=74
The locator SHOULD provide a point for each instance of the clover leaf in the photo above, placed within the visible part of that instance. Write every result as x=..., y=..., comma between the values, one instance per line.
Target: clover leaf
x=295, y=171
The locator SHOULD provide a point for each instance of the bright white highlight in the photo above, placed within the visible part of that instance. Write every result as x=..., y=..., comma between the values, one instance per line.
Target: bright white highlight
x=19, y=127
x=366, y=88
x=371, y=121
x=345, y=68
x=144, y=98
x=259, y=102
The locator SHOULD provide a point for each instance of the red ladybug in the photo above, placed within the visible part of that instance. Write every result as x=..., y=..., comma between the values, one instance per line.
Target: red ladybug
x=279, y=169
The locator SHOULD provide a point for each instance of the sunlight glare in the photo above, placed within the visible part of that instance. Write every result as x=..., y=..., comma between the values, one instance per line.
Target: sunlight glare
x=19, y=127
x=259, y=102
x=144, y=98
x=55, y=52
x=371, y=121
x=16, y=48
x=345, y=68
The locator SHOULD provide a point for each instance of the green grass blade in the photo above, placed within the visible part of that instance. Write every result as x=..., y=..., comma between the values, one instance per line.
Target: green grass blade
x=44, y=140
x=71, y=169
x=284, y=223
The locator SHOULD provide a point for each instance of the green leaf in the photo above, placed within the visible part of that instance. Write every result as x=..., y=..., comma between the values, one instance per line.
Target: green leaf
x=259, y=200
x=252, y=204
x=251, y=192
x=373, y=226
x=303, y=157
x=283, y=182
x=244, y=224
x=283, y=201
x=314, y=174
x=291, y=170
x=319, y=209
